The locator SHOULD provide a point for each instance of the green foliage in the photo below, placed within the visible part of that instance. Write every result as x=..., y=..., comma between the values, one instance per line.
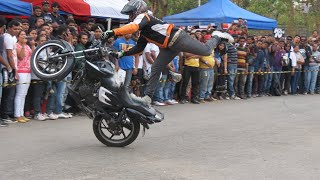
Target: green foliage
x=179, y=6
x=284, y=11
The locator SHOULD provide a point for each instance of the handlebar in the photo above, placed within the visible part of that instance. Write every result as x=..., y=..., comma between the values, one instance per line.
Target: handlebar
x=102, y=50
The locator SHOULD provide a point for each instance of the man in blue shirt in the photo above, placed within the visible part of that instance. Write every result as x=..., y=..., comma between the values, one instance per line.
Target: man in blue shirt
x=126, y=63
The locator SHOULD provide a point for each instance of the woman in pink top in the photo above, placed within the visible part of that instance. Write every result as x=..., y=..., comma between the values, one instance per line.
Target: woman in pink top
x=24, y=53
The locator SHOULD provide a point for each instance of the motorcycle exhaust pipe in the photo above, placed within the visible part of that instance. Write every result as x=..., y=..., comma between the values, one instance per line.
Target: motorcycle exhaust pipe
x=139, y=116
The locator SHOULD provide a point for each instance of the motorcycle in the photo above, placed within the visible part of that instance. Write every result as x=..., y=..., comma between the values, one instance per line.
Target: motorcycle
x=116, y=115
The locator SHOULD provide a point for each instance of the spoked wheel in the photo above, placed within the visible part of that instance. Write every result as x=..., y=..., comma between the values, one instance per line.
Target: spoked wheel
x=115, y=135
x=47, y=68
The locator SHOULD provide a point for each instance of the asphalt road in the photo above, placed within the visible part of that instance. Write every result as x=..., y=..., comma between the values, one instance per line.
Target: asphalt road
x=275, y=138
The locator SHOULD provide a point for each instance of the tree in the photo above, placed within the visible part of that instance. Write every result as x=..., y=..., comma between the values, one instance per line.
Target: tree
x=284, y=11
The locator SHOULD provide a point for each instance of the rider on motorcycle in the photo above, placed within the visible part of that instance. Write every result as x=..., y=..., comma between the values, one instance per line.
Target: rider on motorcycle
x=168, y=37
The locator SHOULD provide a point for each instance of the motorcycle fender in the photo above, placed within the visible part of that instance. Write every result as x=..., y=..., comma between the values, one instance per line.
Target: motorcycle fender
x=138, y=116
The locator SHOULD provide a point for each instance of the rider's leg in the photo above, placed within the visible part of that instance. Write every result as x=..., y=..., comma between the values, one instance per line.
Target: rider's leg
x=186, y=43
x=164, y=58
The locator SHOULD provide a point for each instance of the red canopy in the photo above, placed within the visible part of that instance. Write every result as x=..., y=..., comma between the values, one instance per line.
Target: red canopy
x=97, y=8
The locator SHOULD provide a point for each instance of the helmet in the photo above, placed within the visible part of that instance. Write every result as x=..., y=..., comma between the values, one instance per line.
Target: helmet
x=135, y=7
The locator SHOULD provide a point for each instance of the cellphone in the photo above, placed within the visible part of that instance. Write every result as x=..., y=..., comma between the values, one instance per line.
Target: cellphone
x=235, y=21
x=29, y=38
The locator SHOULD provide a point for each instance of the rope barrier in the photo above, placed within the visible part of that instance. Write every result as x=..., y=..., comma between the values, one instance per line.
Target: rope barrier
x=238, y=73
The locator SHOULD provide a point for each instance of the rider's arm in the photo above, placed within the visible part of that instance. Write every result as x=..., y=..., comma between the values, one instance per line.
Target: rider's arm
x=141, y=44
x=138, y=23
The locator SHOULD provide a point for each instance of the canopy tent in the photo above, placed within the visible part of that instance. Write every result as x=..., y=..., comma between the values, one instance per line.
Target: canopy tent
x=15, y=7
x=93, y=8
x=220, y=11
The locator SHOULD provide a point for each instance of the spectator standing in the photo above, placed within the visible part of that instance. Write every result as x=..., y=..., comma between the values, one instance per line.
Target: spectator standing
x=39, y=21
x=148, y=58
x=25, y=25
x=259, y=67
x=279, y=52
x=38, y=86
x=81, y=45
x=56, y=18
x=190, y=71
x=10, y=56
x=232, y=54
x=36, y=14
x=243, y=65
x=56, y=99
x=2, y=62
x=126, y=63
x=252, y=54
x=96, y=40
x=24, y=53
x=314, y=36
x=296, y=76
x=289, y=62
x=311, y=70
x=206, y=65
x=305, y=51
x=170, y=86
x=242, y=26
x=45, y=12
x=267, y=68
x=220, y=55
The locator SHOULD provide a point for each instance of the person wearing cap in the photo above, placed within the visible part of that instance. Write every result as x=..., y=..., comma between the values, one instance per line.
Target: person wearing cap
x=54, y=14
x=45, y=12
x=168, y=37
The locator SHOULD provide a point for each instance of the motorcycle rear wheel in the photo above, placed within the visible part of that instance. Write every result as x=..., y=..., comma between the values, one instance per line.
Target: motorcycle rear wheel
x=101, y=129
x=51, y=69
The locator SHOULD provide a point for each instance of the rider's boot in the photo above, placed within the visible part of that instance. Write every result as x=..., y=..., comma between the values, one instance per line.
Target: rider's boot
x=223, y=36
x=145, y=100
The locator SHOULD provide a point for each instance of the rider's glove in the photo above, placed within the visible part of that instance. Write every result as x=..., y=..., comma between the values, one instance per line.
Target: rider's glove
x=117, y=55
x=107, y=34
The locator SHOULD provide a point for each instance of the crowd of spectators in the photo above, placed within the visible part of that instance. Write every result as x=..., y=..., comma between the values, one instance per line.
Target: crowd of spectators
x=251, y=66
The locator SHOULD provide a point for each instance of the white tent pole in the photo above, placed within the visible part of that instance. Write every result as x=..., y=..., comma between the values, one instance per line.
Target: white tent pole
x=109, y=23
x=199, y=4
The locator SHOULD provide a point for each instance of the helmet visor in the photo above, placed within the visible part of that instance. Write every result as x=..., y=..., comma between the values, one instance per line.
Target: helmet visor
x=127, y=9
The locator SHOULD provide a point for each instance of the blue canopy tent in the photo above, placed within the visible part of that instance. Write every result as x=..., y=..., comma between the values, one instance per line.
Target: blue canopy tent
x=220, y=11
x=15, y=7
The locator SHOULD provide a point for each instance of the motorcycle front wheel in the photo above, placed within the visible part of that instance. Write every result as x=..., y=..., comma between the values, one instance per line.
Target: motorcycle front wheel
x=115, y=136
x=47, y=68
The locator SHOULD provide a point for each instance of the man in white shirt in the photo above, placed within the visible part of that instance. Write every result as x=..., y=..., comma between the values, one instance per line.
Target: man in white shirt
x=10, y=57
x=150, y=53
x=3, y=63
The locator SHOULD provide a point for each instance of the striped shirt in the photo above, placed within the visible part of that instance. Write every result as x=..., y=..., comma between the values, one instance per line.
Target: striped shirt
x=232, y=53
